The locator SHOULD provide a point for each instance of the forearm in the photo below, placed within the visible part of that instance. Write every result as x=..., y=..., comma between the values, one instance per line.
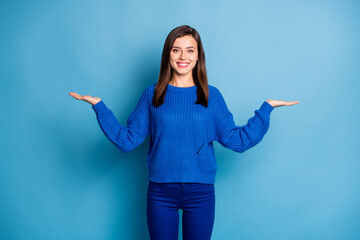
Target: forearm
x=113, y=130
x=241, y=138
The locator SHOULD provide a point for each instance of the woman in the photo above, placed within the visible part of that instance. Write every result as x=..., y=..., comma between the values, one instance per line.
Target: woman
x=183, y=115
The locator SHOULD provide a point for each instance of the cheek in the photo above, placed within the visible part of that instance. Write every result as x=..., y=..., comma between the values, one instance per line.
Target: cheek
x=194, y=58
x=172, y=61
x=172, y=56
x=194, y=61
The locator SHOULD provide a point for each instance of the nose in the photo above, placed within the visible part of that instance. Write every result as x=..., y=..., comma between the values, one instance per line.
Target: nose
x=183, y=55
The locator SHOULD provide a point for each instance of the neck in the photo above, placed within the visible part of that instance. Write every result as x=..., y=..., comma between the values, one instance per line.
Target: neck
x=182, y=80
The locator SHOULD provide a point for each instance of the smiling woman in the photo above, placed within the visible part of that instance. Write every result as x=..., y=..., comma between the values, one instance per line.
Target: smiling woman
x=184, y=115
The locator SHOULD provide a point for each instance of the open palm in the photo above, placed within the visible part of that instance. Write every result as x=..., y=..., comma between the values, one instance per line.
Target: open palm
x=86, y=98
x=279, y=103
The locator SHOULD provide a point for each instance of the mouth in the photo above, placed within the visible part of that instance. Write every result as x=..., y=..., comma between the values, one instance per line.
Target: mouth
x=182, y=64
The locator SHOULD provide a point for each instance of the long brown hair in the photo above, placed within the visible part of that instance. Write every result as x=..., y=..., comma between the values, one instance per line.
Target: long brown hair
x=198, y=72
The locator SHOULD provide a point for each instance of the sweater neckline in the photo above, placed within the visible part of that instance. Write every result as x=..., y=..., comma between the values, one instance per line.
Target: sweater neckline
x=181, y=89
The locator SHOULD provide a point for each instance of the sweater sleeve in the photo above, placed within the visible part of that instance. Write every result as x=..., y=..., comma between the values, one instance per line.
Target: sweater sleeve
x=239, y=138
x=124, y=137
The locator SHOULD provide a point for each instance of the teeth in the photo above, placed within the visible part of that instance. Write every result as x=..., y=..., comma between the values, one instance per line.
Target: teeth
x=183, y=64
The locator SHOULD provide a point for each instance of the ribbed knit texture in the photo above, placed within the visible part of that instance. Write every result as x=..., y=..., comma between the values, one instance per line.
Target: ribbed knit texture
x=182, y=132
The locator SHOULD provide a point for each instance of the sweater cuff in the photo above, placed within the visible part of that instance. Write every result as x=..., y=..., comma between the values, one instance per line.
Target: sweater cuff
x=99, y=107
x=266, y=108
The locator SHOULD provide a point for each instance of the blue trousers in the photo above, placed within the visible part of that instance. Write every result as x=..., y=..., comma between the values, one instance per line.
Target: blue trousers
x=197, y=200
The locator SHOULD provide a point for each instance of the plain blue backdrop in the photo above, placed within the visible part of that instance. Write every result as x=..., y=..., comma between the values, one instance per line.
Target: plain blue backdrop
x=61, y=178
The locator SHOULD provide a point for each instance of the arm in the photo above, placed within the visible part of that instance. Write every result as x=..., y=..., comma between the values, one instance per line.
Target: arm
x=240, y=138
x=127, y=137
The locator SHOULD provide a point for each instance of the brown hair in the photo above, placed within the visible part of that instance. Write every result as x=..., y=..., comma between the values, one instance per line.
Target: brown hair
x=198, y=72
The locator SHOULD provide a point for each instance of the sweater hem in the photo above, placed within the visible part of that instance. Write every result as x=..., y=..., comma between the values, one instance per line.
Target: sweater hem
x=189, y=175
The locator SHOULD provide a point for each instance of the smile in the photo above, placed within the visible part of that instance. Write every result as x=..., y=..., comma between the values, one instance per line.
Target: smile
x=182, y=65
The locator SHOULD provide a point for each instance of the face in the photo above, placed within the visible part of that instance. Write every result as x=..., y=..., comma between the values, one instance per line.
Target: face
x=184, y=55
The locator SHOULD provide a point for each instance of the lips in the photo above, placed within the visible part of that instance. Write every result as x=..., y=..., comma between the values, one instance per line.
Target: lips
x=182, y=64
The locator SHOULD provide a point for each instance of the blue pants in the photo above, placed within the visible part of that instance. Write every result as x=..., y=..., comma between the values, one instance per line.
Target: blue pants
x=197, y=200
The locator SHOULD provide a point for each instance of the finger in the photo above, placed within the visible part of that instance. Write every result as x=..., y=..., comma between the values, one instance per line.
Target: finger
x=75, y=95
x=292, y=103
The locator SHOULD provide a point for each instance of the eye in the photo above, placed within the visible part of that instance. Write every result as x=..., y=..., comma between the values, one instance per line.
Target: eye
x=174, y=50
x=191, y=50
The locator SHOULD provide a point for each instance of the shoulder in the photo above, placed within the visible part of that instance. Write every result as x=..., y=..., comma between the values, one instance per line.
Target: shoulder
x=212, y=88
x=150, y=87
x=216, y=99
x=147, y=93
x=214, y=92
x=149, y=90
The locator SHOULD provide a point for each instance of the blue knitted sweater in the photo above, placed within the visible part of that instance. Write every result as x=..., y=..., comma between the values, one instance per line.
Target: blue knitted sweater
x=182, y=132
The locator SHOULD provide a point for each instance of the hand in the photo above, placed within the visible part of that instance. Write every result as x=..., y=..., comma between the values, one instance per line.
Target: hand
x=86, y=98
x=278, y=103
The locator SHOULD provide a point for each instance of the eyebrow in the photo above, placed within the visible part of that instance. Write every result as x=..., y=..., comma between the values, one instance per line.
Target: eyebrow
x=179, y=47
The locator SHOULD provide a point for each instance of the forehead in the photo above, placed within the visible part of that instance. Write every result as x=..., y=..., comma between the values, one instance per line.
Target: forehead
x=185, y=41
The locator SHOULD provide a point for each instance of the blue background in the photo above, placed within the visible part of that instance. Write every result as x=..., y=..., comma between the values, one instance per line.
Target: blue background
x=61, y=178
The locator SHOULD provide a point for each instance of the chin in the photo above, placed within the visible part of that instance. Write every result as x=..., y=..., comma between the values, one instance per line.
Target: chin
x=183, y=73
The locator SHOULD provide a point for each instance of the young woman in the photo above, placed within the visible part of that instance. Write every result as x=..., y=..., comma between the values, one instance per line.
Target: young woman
x=183, y=115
